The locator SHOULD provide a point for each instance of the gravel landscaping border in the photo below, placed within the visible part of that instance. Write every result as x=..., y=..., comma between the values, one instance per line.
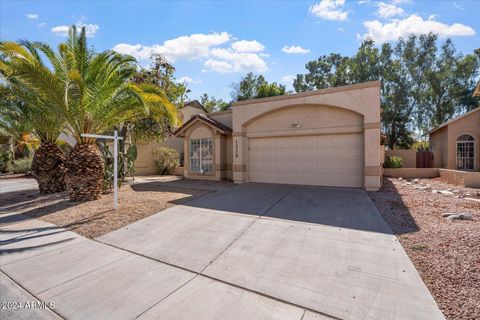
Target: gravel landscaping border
x=95, y=218
x=445, y=252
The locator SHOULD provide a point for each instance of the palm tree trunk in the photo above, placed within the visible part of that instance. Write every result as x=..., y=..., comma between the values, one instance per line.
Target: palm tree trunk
x=48, y=168
x=84, y=173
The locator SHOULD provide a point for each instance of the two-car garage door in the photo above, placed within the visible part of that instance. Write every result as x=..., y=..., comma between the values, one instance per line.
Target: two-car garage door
x=325, y=160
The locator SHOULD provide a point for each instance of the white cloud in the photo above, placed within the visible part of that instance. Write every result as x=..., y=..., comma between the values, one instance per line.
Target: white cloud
x=414, y=24
x=295, y=50
x=189, y=47
x=248, y=46
x=41, y=24
x=229, y=60
x=388, y=10
x=240, y=56
x=32, y=16
x=401, y=1
x=288, y=78
x=90, y=29
x=187, y=79
x=329, y=10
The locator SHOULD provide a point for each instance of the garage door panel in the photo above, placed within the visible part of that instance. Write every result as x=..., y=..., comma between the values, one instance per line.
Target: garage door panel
x=329, y=160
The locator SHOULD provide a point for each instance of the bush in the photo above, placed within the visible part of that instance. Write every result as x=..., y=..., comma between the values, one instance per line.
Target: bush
x=421, y=145
x=393, y=162
x=166, y=159
x=21, y=166
x=6, y=157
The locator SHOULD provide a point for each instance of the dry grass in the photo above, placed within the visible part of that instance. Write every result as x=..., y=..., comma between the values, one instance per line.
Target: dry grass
x=95, y=218
x=446, y=254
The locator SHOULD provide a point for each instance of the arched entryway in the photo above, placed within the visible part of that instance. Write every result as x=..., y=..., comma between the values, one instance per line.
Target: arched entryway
x=466, y=152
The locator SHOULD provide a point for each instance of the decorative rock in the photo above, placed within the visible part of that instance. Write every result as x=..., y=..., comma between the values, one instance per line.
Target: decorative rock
x=415, y=180
x=456, y=191
x=473, y=199
x=434, y=191
x=400, y=178
x=460, y=216
x=446, y=192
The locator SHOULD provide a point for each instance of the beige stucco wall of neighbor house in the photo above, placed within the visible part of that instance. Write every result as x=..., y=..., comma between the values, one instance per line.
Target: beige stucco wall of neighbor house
x=409, y=157
x=144, y=163
x=341, y=110
x=439, y=145
x=444, y=140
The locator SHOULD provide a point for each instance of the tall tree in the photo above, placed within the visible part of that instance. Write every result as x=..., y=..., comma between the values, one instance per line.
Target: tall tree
x=212, y=104
x=254, y=86
x=93, y=93
x=160, y=74
x=22, y=69
x=421, y=85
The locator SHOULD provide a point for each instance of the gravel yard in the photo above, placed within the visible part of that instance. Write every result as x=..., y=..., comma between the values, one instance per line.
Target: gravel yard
x=95, y=218
x=446, y=253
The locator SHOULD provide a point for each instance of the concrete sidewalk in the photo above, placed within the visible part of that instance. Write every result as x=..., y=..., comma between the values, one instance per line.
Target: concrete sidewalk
x=85, y=279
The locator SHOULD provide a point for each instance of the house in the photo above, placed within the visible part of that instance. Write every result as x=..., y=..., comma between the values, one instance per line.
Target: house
x=144, y=163
x=329, y=137
x=455, y=143
x=476, y=92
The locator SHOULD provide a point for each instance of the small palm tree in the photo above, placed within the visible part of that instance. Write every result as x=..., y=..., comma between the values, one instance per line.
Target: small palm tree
x=92, y=92
x=31, y=111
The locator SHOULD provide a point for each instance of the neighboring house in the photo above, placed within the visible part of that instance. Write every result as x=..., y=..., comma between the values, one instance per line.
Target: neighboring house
x=329, y=137
x=455, y=143
x=144, y=163
x=476, y=92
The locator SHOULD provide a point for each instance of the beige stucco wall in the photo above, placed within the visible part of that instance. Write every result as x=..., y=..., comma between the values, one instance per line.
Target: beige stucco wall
x=409, y=157
x=409, y=173
x=461, y=178
x=362, y=99
x=444, y=140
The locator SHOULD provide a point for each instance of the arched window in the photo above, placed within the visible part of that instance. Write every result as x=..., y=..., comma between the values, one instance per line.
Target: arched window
x=465, y=152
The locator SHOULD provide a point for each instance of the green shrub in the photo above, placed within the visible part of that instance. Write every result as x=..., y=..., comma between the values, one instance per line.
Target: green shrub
x=393, y=162
x=166, y=159
x=421, y=145
x=6, y=157
x=21, y=166
x=64, y=146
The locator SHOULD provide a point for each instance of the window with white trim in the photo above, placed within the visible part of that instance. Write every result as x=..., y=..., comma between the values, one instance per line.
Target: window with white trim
x=201, y=155
x=465, y=153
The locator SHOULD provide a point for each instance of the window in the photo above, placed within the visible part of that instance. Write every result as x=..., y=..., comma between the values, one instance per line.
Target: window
x=465, y=153
x=201, y=155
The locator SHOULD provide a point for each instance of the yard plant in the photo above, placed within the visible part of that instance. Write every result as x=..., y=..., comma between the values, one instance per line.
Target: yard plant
x=166, y=159
x=81, y=91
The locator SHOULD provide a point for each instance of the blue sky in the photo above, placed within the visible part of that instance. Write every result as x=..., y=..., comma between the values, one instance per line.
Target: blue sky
x=213, y=44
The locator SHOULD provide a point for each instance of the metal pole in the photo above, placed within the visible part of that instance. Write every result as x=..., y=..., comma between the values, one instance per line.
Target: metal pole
x=115, y=170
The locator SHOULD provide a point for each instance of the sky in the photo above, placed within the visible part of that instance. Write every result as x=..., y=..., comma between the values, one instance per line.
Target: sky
x=213, y=44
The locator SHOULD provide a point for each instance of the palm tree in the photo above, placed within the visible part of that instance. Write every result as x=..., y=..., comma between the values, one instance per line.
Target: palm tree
x=28, y=112
x=93, y=93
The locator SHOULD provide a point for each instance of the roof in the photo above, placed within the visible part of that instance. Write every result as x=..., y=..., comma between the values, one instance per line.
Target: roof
x=358, y=86
x=194, y=104
x=476, y=92
x=453, y=120
x=204, y=119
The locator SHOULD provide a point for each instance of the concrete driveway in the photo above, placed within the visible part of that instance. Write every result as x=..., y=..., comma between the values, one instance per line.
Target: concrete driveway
x=253, y=251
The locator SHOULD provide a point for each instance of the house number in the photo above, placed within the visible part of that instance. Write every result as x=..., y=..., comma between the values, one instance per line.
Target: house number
x=236, y=148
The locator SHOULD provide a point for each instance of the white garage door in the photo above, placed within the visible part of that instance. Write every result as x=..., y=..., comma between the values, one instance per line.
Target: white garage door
x=326, y=160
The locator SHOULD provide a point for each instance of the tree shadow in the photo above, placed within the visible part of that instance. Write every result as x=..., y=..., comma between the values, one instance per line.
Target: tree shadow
x=392, y=208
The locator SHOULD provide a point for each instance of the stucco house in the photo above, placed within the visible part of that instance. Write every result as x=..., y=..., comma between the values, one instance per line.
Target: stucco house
x=144, y=163
x=329, y=137
x=455, y=143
